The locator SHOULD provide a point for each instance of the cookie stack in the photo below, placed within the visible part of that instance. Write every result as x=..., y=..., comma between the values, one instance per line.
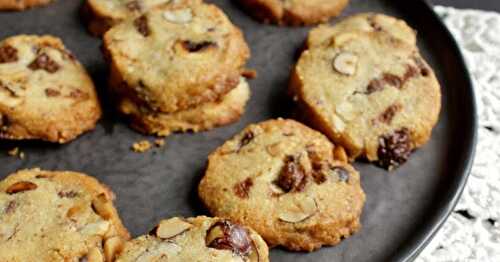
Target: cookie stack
x=178, y=68
x=364, y=84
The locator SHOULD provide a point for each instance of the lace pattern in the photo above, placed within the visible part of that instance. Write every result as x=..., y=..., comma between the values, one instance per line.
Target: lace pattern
x=472, y=233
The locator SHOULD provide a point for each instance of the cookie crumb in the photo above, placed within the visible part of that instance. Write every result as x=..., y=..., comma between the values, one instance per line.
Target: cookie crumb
x=160, y=142
x=141, y=146
x=15, y=152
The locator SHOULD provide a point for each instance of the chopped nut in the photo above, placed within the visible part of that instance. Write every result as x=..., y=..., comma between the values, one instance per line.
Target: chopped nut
x=182, y=16
x=340, y=154
x=296, y=210
x=94, y=255
x=20, y=187
x=102, y=206
x=112, y=246
x=159, y=142
x=141, y=146
x=273, y=149
x=73, y=212
x=229, y=236
x=340, y=173
x=246, y=139
x=97, y=228
x=67, y=194
x=338, y=123
x=172, y=228
x=345, y=63
x=197, y=46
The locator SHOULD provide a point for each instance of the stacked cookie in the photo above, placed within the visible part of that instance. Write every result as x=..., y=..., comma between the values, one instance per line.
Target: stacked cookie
x=178, y=68
x=363, y=83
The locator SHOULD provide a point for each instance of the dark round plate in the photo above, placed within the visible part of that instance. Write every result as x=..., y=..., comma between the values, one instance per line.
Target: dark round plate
x=403, y=210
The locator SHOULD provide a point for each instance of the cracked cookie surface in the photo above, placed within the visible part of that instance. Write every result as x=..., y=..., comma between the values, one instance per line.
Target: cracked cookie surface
x=294, y=12
x=58, y=216
x=176, y=57
x=200, y=118
x=196, y=239
x=45, y=93
x=101, y=15
x=283, y=179
x=368, y=90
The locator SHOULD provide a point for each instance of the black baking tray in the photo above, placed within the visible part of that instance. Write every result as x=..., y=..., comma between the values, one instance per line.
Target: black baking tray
x=404, y=209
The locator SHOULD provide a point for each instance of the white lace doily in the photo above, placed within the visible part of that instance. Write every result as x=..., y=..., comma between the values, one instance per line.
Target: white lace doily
x=472, y=233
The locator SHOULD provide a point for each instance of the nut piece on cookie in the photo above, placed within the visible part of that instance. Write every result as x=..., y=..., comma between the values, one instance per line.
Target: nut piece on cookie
x=363, y=83
x=58, y=216
x=287, y=184
x=20, y=5
x=101, y=15
x=291, y=12
x=178, y=68
x=45, y=93
x=197, y=239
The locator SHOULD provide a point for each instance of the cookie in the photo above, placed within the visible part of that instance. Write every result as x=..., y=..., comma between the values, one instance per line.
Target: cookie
x=101, y=15
x=294, y=12
x=45, y=93
x=282, y=179
x=19, y=5
x=370, y=92
x=196, y=239
x=58, y=216
x=200, y=118
x=176, y=57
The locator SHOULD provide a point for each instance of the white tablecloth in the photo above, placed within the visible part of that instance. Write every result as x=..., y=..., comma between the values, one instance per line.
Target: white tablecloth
x=472, y=233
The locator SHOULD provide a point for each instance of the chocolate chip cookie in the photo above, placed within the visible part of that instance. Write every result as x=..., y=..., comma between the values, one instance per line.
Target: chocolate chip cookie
x=197, y=239
x=45, y=93
x=200, y=118
x=176, y=57
x=284, y=180
x=19, y=5
x=294, y=12
x=369, y=91
x=58, y=216
x=101, y=15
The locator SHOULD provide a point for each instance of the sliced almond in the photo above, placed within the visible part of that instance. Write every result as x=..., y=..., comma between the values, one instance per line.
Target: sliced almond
x=112, y=246
x=20, y=186
x=95, y=255
x=98, y=228
x=340, y=154
x=172, y=227
x=102, y=206
x=345, y=63
x=297, y=210
x=181, y=16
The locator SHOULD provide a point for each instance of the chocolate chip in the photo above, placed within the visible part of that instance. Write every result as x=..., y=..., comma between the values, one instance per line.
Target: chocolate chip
x=197, y=46
x=141, y=24
x=83, y=259
x=292, y=176
x=78, y=94
x=51, y=92
x=20, y=186
x=133, y=6
x=44, y=62
x=424, y=70
x=11, y=206
x=394, y=149
x=242, y=189
x=228, y=236
x=67, y=194
x=389, y=113
x=246, y=139
x=374, y=24
x=319, y=177
x=342, y=173
x=8, y=54
x=392, y=80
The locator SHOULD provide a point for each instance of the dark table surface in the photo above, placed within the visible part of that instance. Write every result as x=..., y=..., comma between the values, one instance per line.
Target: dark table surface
x=491, y=5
